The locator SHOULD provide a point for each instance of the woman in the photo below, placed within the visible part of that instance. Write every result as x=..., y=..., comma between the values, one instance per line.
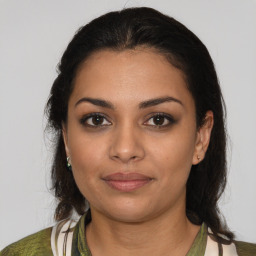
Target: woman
x=140, y=144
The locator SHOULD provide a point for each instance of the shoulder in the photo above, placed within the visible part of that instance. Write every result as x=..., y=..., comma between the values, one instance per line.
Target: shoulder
x=36, y=244
x=245, y=249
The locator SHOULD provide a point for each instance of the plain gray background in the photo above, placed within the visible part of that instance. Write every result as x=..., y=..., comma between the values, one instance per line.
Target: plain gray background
x=33, y=36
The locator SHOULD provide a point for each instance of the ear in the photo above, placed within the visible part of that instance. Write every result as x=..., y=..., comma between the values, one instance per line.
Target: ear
x=65, y=138
x=203, y=138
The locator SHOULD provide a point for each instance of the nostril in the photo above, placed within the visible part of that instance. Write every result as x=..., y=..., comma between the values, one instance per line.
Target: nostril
x=126, y=148
x=125, y=158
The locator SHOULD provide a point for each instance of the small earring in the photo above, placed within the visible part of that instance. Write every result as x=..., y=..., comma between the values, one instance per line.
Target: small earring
x=69, y=167
x=198, y=158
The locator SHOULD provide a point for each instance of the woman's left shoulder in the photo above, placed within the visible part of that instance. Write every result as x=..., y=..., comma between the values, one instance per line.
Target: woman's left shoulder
x=245, y=249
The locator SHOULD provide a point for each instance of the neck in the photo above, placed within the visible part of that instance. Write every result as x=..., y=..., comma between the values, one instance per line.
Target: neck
x=167, y=234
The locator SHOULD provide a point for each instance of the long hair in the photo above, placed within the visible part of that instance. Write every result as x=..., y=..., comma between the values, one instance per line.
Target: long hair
x=146, y=27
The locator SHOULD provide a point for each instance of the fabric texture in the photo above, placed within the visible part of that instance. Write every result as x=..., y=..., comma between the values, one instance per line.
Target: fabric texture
x=245, y=249
x=40, y=243
x=36, y=244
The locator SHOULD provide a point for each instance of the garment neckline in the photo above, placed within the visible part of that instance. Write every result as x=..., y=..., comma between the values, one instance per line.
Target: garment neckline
x=197, y=249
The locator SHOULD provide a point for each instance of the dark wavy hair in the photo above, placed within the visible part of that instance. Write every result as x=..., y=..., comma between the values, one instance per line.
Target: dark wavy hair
x=129, y=29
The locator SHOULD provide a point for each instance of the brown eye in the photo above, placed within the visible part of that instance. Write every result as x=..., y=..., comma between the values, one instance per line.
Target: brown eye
x=160, y=120
x=95, y=120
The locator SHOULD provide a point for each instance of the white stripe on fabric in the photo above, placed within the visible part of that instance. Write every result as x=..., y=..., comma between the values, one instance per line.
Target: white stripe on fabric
x=69, y=239
x=53, y=235
x=63, y=238
x=212, y=248
x=229, y=250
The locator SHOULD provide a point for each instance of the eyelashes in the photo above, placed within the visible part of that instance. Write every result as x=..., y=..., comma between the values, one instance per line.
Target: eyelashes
x=99, y=120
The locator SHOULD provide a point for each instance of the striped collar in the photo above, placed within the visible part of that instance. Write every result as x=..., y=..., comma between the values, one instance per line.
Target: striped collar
x=80, y=247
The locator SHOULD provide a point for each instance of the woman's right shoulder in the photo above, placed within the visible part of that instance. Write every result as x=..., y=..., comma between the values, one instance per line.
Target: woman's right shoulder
x=35, y=244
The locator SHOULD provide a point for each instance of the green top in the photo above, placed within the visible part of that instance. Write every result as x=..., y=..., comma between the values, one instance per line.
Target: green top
x=36, y=244
x=39, y=244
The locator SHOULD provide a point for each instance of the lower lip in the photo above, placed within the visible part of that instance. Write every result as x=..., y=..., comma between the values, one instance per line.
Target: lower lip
x=127, y=185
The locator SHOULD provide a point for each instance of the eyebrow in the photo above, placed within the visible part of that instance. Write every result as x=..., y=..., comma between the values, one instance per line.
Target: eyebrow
x=97, y=102
x=157, y=101
x=142, y=105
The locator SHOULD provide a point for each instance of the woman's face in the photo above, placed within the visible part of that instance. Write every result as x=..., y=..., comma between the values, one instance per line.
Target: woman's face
x=131, y=134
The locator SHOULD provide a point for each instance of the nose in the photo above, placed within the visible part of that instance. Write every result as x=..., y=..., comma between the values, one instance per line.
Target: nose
x=127, y=144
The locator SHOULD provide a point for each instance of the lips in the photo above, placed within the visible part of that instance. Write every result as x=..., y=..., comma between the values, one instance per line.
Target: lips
x=127, y=182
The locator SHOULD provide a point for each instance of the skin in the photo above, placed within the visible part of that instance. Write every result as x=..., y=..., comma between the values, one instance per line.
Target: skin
x=128, y=140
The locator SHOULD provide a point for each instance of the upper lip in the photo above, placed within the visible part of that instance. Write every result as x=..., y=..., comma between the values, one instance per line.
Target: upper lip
x=119, y=176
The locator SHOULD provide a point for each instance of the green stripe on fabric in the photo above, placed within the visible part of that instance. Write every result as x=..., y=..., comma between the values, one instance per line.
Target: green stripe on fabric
x=199, y=244
x=79, y=245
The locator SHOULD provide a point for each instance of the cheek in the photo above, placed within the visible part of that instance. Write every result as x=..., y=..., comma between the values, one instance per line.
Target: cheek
x=87, y=167
x=174, y=149
x=86, y=153
x=174, y=154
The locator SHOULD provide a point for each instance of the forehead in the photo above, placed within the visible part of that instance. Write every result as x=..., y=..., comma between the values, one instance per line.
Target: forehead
x=129, y=76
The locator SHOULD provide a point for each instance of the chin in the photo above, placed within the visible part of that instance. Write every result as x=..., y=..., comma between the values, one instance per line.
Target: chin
x=128, y=211
x=129, y=216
